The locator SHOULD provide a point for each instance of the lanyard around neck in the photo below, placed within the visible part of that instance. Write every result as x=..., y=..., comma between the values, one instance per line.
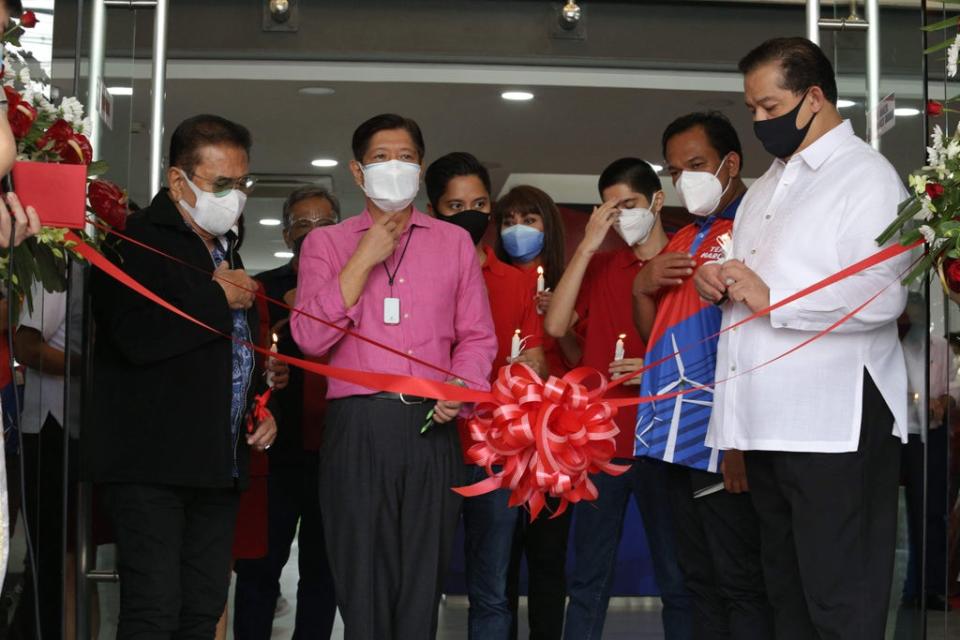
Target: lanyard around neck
x=392, y=276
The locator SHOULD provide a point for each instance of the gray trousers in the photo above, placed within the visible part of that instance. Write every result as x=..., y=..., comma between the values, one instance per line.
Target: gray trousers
x=389, y=514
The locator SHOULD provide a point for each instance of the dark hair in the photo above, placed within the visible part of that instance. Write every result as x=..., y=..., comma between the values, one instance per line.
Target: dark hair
x=720, y=132
x=309, y=192
x=204, y=130
x=803, y=65
x=385, y=122
x=527, y=199
x=633, y=172
x=15, y=7
x=453, y=165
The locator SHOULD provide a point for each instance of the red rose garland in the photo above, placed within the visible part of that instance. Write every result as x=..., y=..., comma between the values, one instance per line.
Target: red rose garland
x=547, y=437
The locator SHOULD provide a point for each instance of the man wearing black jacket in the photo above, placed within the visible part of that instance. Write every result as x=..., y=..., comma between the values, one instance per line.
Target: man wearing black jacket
x=293, y=493
x=168, y=441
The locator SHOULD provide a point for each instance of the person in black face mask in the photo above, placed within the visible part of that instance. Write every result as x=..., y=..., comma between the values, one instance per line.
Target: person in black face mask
x=821, y=428
x=458, y=188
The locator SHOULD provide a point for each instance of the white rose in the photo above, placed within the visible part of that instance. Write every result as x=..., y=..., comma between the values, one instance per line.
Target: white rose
x=929, y=235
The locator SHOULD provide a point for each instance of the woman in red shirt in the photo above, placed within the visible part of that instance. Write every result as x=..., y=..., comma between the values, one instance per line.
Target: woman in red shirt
x=530, y=235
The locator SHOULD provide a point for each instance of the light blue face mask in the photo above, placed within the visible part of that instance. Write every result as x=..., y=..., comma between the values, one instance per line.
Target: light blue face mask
x=522, y=243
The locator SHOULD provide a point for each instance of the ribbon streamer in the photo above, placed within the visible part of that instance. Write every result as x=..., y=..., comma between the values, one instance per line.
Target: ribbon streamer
x=280, y=303
x=547, y=437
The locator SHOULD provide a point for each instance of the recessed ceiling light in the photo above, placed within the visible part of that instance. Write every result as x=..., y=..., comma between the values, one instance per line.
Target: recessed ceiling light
x=283, y=254
x=324, y=163
x=656, y=167
x=316, y=91
x=270, y=222
x=843, y=104
x=120, y=91
x=906, y=112
x=517, y=96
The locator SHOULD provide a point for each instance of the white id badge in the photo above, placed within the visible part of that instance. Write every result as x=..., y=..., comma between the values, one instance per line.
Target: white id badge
x=391, y=310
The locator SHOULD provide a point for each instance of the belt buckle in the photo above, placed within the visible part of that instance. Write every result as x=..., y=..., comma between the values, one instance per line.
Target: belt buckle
x=404, y=401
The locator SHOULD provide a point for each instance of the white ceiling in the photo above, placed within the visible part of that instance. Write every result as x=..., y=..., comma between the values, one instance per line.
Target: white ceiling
x=566, y=131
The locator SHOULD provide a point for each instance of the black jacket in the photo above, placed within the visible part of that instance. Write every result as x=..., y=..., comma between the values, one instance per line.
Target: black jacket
x=162, y=385
x=288, y=448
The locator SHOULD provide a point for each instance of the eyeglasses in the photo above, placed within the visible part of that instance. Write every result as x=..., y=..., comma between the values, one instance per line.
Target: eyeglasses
x=223, y=186
x=311, y=223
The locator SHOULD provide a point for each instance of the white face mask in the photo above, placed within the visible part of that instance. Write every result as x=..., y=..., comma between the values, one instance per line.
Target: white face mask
x=215, y=215
x=700, y=191
x=635, y=225
x=391, y=185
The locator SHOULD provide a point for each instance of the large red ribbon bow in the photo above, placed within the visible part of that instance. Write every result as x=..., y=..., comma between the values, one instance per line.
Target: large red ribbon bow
x=545, y=437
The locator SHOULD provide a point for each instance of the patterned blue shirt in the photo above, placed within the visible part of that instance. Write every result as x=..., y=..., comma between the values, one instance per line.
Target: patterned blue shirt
x=242, y=366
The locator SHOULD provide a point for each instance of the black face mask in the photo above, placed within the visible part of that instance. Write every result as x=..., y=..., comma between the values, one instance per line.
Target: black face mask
x=475, y=222
x=780, y=136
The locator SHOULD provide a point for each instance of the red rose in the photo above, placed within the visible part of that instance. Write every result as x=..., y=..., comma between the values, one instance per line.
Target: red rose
x=934, y=190
x=934, y=108
x=951, y=269
x=72, y=147
x=28, y=20
x=109, y=202
x=21, y=118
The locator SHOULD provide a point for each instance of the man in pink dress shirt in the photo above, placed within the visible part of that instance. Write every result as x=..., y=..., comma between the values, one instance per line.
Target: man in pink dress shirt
x=404, y=279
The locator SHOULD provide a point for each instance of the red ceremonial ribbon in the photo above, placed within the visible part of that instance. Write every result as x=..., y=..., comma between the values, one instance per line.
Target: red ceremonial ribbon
x=377, y=381
x=280, y=303
x=259, y=413
x=547, y=437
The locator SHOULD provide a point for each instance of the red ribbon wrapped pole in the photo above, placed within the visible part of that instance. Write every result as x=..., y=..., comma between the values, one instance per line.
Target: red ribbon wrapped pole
x=547, y=437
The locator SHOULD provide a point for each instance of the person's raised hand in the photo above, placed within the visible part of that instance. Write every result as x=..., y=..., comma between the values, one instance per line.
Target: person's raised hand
x=379, y=242
x=746, y=286
x=239, y=288
x=23, y=222
x=264, y=435
x=598, y=225
x=664, y=270
x=624, y=367
x=708, y=282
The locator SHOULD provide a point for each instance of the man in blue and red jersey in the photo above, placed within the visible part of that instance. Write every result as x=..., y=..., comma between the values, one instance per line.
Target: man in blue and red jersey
x=592, y=297
x=718, y=534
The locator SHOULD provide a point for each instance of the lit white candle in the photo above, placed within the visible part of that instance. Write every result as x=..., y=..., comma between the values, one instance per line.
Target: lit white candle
x=541, y=283
x=515, y=345
x=618, y=351
x=273, y=349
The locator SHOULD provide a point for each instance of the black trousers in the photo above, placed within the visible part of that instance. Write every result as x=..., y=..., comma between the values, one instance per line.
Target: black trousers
x=828, y=523
x=544, y=543
x=174, y=547
x=718, y=547
x=292, y=500
x=389, y=514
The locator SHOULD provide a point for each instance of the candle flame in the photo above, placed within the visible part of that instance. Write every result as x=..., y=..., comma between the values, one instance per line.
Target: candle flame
x=517, y=332
x=623, y=336
x=540, y=270
x=275, y=339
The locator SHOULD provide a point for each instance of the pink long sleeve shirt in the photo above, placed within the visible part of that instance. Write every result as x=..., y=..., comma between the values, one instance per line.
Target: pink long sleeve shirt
x=444, y=312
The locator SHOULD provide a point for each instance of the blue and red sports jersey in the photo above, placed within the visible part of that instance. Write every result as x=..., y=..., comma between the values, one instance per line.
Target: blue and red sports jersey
x=675, y=430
